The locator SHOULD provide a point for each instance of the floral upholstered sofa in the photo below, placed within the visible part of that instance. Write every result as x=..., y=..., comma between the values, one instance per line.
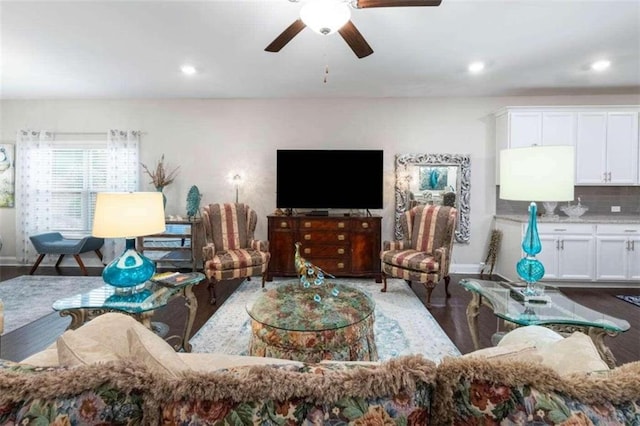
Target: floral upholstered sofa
x=114, y=371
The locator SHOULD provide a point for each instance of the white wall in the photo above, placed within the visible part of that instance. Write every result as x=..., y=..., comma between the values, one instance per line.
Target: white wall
x=209, y=139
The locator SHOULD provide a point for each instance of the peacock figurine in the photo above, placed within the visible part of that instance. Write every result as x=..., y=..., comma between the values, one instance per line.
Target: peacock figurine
x=308, y=272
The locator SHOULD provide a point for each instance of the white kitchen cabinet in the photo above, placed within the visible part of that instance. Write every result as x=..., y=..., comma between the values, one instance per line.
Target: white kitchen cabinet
x=517, y=129
x=618, y=252
x=607, y=148
x=566, y=251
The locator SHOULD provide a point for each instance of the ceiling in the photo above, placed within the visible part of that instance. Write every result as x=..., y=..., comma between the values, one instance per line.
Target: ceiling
x=134, y=49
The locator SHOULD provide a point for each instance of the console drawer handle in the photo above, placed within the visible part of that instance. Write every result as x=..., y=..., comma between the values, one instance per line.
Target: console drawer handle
x=340, y=251
x=340, y=225
x=307, y=224
x=307, y=251
x=307, y=237
x=340, y=265
x=560, y=229
x=365, y=224
x=341, y=237
x=283, y=224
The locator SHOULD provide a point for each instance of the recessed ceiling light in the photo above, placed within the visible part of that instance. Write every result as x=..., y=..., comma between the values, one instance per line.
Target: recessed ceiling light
x=600, y=65
x=476, y=67
x=188, y=69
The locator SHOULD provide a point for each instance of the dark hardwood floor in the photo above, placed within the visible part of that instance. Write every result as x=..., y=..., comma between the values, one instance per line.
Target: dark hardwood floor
x=449, y=312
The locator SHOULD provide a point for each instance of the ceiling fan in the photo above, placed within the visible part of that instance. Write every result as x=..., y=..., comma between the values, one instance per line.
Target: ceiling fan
x=326, y=17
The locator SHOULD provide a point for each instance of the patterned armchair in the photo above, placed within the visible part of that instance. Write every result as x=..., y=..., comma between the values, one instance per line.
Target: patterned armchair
x=425, y=253
x=230, y=249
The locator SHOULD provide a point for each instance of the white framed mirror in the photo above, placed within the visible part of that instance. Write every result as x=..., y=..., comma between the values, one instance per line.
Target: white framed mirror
x=434, y=179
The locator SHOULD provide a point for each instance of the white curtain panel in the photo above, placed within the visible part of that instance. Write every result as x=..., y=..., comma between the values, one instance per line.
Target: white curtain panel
x=123, y=175
x=33, y=189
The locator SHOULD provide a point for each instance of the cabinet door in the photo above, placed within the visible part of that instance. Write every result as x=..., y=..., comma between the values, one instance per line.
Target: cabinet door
x=282, y=237
x=622, y=147
x=575, y=257
x=549, y=256
x=633, y=256
x=558, y=128
x=525, y=129
x=591, y=148
x=611, y=254
x=365, y=246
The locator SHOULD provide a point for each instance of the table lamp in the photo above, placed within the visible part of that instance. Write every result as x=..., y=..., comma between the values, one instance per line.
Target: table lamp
x=542, y=173
x=128, y=215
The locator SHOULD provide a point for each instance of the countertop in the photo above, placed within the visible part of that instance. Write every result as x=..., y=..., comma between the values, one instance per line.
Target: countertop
x=586, y=218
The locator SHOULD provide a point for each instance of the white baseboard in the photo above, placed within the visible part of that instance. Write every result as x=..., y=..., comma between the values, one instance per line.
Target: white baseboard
x=468, y=268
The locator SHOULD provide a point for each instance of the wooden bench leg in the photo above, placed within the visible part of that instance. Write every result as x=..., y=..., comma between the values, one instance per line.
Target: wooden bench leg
x=79, y=260
x=35, y=265
x=59, y=260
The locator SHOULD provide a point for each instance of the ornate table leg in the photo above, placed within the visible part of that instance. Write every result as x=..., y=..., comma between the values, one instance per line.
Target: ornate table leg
x=192, y=305
x=78, y=317
x=597, y=335
x=473, y=309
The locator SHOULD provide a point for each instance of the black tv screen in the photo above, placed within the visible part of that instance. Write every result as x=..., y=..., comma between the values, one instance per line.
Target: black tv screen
x=329, y=179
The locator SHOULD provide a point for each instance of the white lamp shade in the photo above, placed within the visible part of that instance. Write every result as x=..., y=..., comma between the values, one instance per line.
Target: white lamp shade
x=537, y=173
x=324, y=16
x=128, y=214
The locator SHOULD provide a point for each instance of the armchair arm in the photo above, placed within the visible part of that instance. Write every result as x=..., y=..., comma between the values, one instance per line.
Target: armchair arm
x=260, y=245
x=395, y=245
x=208, y=251
x=441, y=254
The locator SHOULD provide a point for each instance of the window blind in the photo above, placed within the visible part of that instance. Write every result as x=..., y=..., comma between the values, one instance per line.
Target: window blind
x=78, y=173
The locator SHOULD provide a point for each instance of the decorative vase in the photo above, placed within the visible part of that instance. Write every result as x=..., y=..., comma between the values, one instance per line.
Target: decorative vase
x=164, y=197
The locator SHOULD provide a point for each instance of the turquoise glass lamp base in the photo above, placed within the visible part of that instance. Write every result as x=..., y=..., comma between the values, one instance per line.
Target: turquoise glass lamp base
x=131, y=269
x=529, y=268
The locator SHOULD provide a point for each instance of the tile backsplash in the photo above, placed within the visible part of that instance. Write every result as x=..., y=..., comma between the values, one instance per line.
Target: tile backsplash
x=599, y=199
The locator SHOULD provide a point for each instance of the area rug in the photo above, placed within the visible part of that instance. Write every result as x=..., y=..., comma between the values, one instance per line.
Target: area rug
x=631, y=299
x=403, y=325
x=29, y=297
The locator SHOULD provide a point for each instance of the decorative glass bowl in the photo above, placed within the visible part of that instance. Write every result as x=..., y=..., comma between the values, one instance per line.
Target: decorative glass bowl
x=574, y=212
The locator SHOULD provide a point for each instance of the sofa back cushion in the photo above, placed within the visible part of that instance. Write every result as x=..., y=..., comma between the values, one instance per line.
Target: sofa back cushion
x=397, y=391
x=481, y=391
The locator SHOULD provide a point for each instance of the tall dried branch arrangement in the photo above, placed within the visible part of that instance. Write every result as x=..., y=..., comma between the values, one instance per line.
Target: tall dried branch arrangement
x=159, y=177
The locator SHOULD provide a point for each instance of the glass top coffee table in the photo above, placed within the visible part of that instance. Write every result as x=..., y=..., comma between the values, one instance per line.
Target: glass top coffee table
x=552, y=309
x=329, y=321
x=140, y=304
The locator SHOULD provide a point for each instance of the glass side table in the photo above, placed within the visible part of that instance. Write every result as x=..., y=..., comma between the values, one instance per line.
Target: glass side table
x=553, y=309
x=141, y=304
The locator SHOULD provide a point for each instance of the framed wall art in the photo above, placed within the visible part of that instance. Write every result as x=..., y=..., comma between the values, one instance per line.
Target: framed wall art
x=7, y=175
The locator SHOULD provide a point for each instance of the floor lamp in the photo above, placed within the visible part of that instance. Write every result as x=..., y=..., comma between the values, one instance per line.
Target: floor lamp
x=542, y=173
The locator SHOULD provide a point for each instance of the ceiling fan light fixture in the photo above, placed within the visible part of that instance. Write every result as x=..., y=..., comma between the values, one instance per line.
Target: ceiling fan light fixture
x=325, y=17
x=600, y=65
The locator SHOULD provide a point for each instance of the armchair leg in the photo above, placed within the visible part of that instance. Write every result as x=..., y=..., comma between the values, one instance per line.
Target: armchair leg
x=212, y=292
x=446, y=285
x=264, y=277
x=429, y=290
x=59, y=260
x=384, y=283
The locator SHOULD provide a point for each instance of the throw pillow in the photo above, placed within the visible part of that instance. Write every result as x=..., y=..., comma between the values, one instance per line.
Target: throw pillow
x=203, y=362
x=517, y=352
x=147, y=347
x=74, y=350
x=574, y=354
x=532, y=335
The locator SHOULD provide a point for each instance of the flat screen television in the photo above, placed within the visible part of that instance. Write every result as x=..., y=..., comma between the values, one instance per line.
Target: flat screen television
x=329, y=179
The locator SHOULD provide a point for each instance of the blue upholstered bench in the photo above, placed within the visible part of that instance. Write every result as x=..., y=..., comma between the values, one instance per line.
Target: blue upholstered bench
x=55, y=243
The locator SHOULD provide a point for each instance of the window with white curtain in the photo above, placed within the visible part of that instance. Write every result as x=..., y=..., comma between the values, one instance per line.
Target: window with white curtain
x=78, y=173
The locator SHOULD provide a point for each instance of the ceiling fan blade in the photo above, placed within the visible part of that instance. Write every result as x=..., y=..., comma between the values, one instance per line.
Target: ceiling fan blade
x=286, y=36
x=364, y=4
x=354, y=39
